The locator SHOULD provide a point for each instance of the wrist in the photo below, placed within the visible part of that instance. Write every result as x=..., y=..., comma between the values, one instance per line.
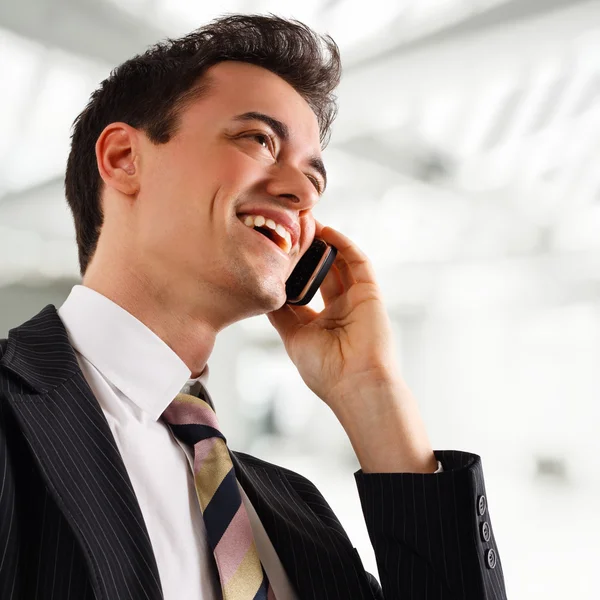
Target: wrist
x=385, y=428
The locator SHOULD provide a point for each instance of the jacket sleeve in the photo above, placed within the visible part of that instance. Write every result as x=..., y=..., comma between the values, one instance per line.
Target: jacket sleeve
x=432, y=533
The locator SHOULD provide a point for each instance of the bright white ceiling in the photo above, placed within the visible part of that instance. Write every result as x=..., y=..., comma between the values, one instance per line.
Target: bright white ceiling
x=467, y=134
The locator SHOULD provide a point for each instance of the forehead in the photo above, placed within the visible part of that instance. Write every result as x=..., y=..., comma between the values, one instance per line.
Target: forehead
x=236, y=88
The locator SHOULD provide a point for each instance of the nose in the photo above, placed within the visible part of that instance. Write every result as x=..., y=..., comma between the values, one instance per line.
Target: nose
x=290, y=182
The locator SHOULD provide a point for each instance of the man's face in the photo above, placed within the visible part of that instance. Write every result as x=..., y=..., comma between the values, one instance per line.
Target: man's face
x=228, y=161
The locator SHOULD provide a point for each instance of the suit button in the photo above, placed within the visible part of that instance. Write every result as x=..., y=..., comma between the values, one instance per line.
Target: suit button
x=481, y=503
x=485, y=531
x=490, y=558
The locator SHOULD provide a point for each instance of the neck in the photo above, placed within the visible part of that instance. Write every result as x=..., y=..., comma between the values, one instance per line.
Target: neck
x=174, y=316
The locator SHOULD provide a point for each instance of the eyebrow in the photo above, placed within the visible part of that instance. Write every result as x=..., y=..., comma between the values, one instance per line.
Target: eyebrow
x=282, y=131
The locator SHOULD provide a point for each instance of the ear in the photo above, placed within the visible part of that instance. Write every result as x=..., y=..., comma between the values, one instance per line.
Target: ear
x=117, y=157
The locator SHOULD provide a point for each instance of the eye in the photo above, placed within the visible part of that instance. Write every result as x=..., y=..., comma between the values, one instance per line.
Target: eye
x=265, y=140
x=315, y=182
x=262, y=139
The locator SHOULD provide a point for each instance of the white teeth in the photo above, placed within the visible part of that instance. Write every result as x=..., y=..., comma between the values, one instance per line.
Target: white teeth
x=287, y=244
x=282, y=232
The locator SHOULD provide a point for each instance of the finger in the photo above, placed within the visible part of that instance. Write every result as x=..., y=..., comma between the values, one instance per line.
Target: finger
x=344, y=270
x=289, y=318
x=318, y=228
x=304, y=314
x=357, y=262
x=332, y=285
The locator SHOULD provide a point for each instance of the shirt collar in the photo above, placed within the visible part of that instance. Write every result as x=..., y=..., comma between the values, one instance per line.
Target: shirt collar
x=125, y=351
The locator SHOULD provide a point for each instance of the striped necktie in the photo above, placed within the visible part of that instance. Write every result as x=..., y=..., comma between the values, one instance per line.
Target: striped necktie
x=194, y=422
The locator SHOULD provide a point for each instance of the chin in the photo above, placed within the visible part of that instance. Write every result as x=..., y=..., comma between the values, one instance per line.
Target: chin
x=272, y=299
x=261, y=298
x=258, y=295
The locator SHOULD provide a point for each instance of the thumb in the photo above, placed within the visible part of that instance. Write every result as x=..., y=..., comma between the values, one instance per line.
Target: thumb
x=288, y=319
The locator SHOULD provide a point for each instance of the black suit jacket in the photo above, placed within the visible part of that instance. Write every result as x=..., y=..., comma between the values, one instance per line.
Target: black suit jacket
x=71, y=526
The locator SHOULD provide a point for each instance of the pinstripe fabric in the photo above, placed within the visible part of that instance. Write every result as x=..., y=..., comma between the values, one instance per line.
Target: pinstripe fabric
x=37, y=551
x=438, y=530
x=73, y=458
x=241, y=574
x=71, y=527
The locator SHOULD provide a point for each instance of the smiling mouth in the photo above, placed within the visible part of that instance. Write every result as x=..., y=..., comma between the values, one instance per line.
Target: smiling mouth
x=273, y=232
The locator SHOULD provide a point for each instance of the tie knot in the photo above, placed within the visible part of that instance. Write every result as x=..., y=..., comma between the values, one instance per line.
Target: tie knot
x=192, y=419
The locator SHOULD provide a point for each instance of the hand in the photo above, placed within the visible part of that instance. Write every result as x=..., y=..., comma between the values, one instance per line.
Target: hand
x=350, y=342
x=345, y=355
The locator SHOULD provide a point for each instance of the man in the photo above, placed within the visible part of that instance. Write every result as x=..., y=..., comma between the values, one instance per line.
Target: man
x=116, y=480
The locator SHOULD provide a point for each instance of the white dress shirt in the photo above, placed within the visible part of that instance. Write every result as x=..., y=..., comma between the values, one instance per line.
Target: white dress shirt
x=134, y=375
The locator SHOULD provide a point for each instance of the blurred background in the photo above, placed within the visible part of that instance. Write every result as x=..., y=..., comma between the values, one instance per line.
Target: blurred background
x=464, y=162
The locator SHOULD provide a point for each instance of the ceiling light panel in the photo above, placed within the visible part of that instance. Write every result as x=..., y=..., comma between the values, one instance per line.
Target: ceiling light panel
x=179, y=17
x=542, y=88
x=20, y=60
x=438, y=124
x=305, y=11
x=135, y=7
x=488, y=103
x=352, y=21
x=418, y=223
x=63, y=89
x=440, y=11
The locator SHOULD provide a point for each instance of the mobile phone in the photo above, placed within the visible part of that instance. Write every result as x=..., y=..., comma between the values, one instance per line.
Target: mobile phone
x=309, y=273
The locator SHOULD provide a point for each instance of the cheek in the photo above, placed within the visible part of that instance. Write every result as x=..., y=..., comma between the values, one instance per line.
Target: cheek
x=235, y=170
x=186, y=184
x=308, y=232
x=167, y=205
x=181, y=184
x=170, y=171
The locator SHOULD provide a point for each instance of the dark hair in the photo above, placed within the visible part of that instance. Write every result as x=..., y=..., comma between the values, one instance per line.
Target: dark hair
x=150, y=90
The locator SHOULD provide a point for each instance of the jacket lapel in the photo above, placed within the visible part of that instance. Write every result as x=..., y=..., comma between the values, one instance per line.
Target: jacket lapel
x=83, y=469
x=310, y=543
x=79, y=460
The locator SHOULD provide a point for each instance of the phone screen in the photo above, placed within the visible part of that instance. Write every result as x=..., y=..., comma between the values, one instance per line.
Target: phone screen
x=309, y=273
